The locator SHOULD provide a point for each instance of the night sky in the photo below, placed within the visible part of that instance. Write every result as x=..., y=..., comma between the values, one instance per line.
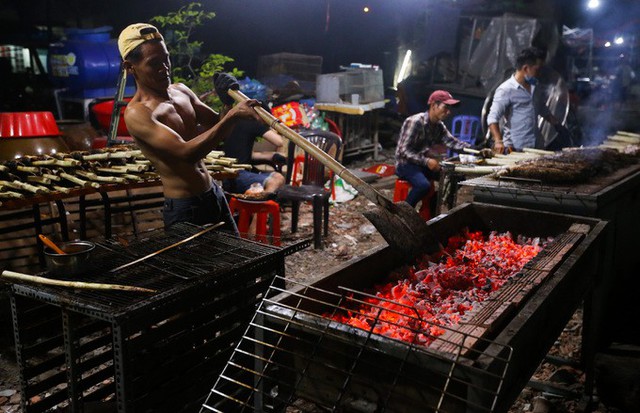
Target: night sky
x=338, y=30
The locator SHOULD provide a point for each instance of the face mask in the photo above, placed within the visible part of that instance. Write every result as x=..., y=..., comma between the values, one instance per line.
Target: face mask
x=531, y=80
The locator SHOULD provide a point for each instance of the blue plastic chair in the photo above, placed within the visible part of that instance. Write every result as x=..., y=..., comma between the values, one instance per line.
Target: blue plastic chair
x=465, y=128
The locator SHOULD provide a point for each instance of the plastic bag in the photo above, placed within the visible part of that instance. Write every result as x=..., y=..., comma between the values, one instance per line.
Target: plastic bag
x=343, y=190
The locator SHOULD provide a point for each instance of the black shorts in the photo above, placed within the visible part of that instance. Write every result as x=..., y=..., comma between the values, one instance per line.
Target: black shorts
x=209, y=207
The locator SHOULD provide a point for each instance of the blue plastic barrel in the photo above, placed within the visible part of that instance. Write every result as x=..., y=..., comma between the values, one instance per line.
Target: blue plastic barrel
x=87, y=64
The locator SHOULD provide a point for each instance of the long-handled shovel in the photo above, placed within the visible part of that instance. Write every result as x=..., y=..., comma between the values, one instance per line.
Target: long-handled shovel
x=398, y=223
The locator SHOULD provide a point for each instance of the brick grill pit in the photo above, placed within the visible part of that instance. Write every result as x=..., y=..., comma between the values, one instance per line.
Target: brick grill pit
x=291, y=352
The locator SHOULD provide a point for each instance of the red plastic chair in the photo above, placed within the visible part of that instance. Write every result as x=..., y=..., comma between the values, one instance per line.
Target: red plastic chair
x=333, y=127
x=262, y=210
x=401, y=190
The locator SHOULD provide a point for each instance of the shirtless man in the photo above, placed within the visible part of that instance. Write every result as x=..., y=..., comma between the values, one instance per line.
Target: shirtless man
x=175, y=130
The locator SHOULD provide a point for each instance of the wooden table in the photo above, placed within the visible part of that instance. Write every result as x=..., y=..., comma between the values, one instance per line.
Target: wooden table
x=32, y=212
x=359, y=125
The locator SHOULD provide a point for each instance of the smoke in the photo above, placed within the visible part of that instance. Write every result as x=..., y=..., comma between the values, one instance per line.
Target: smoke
x=599, y=114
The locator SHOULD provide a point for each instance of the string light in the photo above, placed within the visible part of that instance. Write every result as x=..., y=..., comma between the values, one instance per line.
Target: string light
x=593, y=4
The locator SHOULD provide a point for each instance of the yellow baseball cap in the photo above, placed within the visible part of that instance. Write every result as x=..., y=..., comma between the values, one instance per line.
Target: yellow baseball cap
x=134, y=35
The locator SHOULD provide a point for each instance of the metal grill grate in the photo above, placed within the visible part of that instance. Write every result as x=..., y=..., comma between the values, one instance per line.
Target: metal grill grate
x=212, y=257
x=292, y=356
x=141, y=352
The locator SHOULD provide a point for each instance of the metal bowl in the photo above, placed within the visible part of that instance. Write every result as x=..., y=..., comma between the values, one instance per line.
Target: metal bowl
x=75, y=261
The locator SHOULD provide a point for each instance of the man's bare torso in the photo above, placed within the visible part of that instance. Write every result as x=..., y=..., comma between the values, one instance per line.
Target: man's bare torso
x=180, y=178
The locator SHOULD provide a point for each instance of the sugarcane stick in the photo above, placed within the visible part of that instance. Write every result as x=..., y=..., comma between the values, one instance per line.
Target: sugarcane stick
x=45, y=162
x=97, y=156
x=4, y=168
x=616, y=143
x=149, y=175
x=143, y=162
x=62, y=189
x=518, y=157
x=28, y=169
x=7, y=184
x=215, y=154
x=133, y=167
x=112, y=170
x=125, y=154
x=621, y=132
x=39, y=179
x=132, y=177
x=17, y=276
x=223, y=162
x=95, y=177
x=66, y=162
x=538, y=151
x=472, y=151
x=500, y=161
x=23, y=186
x=79, y=181
x=10, y=194
x=479, y=170
x=52, y=177
x=43, y=189
x=624, y=138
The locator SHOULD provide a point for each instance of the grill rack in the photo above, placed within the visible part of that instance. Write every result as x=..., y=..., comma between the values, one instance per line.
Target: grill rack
x=210, y=258
x=582, y=199
x=138, y=352
x=290, y=353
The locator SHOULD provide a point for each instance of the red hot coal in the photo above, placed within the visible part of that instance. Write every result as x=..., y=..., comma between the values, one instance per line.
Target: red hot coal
x=416, y=301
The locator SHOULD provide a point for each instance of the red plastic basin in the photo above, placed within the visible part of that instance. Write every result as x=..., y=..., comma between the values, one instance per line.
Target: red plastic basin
x=103, y=111
x=27, y=125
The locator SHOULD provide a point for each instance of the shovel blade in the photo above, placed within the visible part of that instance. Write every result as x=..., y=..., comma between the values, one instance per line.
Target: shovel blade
x=404, y=230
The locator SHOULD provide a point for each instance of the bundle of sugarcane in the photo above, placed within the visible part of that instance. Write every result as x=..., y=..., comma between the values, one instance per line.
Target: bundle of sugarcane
x=18, y=180
x=215, y=161
x=625, y=142
x=62, y=172
x=504, y=160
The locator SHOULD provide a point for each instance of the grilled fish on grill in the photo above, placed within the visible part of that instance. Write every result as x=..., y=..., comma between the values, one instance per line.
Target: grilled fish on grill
x=573, y=165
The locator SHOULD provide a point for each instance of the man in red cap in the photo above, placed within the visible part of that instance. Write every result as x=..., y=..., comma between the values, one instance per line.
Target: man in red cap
x=416, y=162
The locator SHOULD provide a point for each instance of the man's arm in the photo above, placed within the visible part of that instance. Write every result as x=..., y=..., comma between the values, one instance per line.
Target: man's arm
x=168, y=144
x=274, y=137
x=498, y=143
x=205, y=116
x=496, y=112
x=451, y=141
x=404, y=150
x=276, y=140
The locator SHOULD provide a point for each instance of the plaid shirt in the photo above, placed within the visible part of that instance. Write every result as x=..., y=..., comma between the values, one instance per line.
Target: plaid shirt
x=418, y=135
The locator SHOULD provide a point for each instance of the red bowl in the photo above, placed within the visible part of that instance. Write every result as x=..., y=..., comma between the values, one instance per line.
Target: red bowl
x=27, y=125
x=103, y=112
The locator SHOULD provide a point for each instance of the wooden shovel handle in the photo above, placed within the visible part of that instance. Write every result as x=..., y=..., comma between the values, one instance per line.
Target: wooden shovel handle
x=327, y=160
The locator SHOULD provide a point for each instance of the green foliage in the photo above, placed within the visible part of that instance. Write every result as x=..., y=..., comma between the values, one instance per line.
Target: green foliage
x=189, y=66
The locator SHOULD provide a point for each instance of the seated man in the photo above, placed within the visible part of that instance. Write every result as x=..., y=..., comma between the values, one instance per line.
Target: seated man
x=240, y=146
x=416, y=161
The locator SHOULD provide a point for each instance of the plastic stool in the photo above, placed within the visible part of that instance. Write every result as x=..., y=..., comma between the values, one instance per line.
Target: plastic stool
x=262, y=210
x=401, y=190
